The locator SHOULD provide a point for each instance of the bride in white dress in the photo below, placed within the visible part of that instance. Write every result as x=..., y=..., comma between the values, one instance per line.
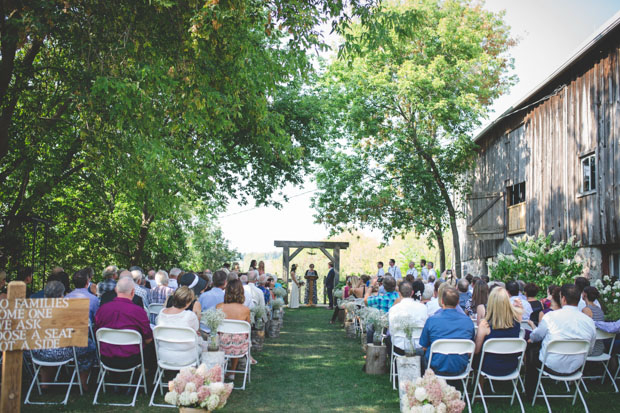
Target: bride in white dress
x=294, y=301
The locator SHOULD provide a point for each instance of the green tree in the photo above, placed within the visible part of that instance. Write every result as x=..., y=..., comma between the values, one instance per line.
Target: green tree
x=411, y=85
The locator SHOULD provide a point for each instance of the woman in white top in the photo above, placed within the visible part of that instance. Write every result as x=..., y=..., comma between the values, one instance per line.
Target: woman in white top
x=176, y=316
x=294, y=303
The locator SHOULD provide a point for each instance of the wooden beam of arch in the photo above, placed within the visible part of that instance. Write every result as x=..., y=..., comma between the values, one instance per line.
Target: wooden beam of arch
x=327, y=254
x=294, y=254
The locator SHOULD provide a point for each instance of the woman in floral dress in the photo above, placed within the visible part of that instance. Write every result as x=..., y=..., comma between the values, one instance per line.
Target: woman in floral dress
x=234, y=344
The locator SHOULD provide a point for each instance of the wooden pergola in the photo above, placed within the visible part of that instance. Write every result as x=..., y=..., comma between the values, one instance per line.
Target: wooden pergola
x=324, y=246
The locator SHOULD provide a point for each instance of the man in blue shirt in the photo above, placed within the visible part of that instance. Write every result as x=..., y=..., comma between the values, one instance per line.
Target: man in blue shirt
x=447, y=324
x=464, y=294
x=215, y=295
x=80, y=281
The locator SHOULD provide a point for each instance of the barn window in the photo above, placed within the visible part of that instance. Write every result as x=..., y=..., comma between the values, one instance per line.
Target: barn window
x=588, y=173
x=614, y=264
x=516, y=194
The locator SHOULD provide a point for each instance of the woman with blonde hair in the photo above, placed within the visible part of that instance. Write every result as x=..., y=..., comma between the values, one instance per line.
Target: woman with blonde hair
x=358, y=287
x=502, y=321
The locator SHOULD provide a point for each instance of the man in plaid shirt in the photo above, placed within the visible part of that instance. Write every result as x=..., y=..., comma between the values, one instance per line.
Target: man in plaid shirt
x=110, y=274
x=381, y=300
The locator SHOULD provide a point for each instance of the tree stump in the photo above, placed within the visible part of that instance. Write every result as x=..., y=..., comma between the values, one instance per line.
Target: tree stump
x=376, y=359
x=341, y=315
x=349, y=329
x=273, y=329
x=258, y=339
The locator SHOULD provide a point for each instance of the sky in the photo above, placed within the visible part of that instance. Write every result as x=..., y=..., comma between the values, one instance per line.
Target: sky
x=549, y=33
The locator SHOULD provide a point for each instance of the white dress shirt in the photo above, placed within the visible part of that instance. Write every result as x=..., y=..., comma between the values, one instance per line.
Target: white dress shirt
x=413, y=272
x=412, y=309
x=172, y=283
x=395, y=272
x=433, y=273
x=380, y=272
x=257, y=295
x=249, y=301
x=432, y=306
x=527, y=308
x=567, y=323
x=424, y=273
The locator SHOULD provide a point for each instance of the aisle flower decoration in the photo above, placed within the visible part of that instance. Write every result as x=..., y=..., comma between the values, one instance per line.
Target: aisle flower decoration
x=378, y=319
x=338, y=294
x=276, y=305
x=351, y=309
x=213, y=318
x=279, y=292
x=430, y=394
x=199, y=388
x=257, y=315
x=408, y=327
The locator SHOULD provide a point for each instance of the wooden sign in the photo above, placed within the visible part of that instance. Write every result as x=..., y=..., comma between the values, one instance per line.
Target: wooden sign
x=40, y=323
x=29, y=324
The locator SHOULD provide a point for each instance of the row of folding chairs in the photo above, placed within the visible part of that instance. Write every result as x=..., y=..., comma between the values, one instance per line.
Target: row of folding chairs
x=517, y=346
x=161, y=335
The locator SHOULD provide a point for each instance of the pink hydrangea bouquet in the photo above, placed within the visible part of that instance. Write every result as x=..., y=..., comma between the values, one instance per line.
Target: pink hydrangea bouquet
x=430, y=394
x=199, y=388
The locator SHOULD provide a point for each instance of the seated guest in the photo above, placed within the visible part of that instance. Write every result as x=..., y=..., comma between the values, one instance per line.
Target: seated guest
x=62, y=277
x=485, y=278
x=262, y=280
x=513, y=289
x=123, y=314
x=531, y=291
x=433, y=305
x=443, y=287
x=429, y=292
x=161, y=292
x=590, y=295
x=152, y=283
x=501, y=321
x=476, y=306
x=234, y=344
x=256, y=294
x=410, y=307
x=382, y=300
x=109, y=296
x=141, y=291
x=464, y=294
x=447, y=324
x=80, y=281
x=25, y=275
x=179, y=353
x=582, y=283
x=556, y=304
x=567, y=323
x=90, y=274
x=195, y=283
x=172, y=278
x=358, y=287
x=470, y=279
x=110, y=274
x=431, y=279
x=546, y=302
x=86, y=356
x=214, y=296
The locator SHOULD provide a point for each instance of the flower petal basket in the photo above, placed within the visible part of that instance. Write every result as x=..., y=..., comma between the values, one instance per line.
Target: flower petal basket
x=429, y=394
x=198, y=390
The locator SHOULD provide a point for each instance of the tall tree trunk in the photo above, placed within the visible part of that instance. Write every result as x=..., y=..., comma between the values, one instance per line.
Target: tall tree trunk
x=442, y=249
x=456, y=245
x=147, y=220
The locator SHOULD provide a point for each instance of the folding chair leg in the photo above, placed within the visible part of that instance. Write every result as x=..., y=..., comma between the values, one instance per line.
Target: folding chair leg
x=544, y=395
x=585, y=406
x=516, y=393
x=613, y=382
x=466, y=394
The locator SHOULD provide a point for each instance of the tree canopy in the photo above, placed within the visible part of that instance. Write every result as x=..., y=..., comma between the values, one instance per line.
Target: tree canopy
x=407, y=94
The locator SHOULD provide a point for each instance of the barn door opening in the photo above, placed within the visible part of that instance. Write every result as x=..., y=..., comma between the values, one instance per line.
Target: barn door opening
x=485, y=212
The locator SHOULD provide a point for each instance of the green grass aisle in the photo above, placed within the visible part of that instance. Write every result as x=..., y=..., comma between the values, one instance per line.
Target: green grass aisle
x=313, y=367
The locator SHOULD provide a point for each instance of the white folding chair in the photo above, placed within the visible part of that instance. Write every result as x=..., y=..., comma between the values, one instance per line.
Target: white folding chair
x=174, y=336
x=566, y=348
x=154, y=310
x=603, y=359
x=120, y=338
x=38, y=364
x=455, y=347
x=501, y=346
x=393, y=374
x=239, y=327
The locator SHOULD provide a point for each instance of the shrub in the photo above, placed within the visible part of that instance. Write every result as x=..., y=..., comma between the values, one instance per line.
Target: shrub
x=609, y=288
x=539, y=260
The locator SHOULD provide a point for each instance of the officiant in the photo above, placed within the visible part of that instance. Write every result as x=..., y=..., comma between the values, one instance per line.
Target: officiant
x=311, y=277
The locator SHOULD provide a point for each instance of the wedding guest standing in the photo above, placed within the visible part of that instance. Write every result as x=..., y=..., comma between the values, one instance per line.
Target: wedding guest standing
x=424, y=270
x=394, y=271
x=380, y=270
x=412, y=270
x=329, y=284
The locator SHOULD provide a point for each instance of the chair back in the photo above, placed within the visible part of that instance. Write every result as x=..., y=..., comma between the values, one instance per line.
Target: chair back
x=504, y=346
x=176, y=335
x=604, y=335
x=118, y=337
x=453, y=346
x=525, y=325
x=235, y=327
x=155, y=308
x=568, y=347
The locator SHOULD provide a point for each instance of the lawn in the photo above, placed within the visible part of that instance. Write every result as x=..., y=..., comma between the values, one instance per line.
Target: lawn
x=313, y=367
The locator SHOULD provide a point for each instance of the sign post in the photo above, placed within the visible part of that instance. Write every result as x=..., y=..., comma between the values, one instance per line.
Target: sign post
x=35, y=324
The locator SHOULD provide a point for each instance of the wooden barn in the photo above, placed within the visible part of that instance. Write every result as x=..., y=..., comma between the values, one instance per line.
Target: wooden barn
x=552, y=163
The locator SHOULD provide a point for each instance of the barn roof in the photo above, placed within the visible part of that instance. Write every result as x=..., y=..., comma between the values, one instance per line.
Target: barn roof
x=606, y=31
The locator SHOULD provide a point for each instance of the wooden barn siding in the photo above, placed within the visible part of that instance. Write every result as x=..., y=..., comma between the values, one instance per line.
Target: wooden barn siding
x=545, y=152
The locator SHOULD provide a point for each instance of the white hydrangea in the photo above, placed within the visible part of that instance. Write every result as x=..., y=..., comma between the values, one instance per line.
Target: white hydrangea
x=442, y=408
x=193, y=397
x=428, y=408
x=212, y=402
x=171, y=397
x=615, y=301
x=420, y=394
x=606, y=278
x=190, y=387
x=217, y=387
x=202, y=370
x=184, y=399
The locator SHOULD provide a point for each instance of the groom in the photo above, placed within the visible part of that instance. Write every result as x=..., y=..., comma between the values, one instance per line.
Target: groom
x=329, y=283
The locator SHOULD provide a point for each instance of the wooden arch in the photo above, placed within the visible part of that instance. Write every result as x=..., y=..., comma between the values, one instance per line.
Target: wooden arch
x=324, y=246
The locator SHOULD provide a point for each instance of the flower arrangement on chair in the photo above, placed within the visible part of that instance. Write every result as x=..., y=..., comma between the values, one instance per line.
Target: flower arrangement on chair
x=213, y=318
x=351, y=309
x=430, y=394
x=257, y=316
x=276, y=305
x=279, y=292
x=199, y=388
